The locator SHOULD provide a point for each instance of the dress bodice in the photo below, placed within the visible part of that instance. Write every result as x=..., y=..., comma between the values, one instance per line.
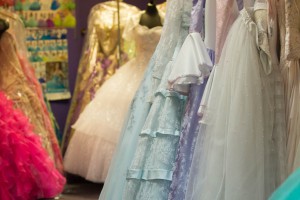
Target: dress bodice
x=145, y=40
x=105, y=20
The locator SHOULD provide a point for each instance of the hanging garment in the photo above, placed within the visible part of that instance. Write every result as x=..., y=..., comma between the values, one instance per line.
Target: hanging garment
x=16, y=84
x=195, y=89
x=240, y=152
x=290, y=62
x=197, y=16
x=141, y=103
x=190, y=125
x=99, y=59
x=99, y=125
x=26, y=170
x=150, y=173
x=17, y=29
x=193, y=69
x=226, y=13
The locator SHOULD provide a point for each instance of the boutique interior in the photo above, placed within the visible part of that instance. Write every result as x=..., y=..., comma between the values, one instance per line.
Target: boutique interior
x=128, y=100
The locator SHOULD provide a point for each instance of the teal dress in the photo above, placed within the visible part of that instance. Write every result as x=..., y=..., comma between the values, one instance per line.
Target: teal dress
x=145, y=103
x=290, y=189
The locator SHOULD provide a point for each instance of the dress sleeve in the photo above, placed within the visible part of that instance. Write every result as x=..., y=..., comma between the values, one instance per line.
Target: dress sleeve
x=191, y=65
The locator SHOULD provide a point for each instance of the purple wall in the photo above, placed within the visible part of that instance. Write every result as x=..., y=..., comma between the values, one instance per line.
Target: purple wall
x=75, y=40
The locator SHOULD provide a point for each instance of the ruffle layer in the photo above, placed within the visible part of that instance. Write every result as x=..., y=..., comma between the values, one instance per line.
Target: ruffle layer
x=26, y=170
x=192, y=65
x=91, y=162
x=150, y=174
x=159, y=121
x=164, y=120
x=168, y=93
x=154, y=133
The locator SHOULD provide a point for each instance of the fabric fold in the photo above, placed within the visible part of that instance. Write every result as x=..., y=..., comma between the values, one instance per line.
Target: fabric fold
x=192, y=70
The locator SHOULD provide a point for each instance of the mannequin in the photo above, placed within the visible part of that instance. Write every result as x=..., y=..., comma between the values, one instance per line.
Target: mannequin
x=151, y=16
x=3, y=26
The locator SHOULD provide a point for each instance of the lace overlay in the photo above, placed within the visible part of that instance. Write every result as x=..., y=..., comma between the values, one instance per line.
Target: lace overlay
x=169, y=39
x=140, y=108
x=150, y=173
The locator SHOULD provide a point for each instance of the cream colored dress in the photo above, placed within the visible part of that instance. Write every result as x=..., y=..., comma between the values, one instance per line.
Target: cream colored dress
x=99, y=126
x=289, y=19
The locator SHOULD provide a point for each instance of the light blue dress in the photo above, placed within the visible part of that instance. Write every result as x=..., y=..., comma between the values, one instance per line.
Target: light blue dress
x=115, y=182
x=150, y=173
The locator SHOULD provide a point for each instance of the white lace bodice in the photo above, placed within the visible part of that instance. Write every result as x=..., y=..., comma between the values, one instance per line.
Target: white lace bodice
x=145, y=40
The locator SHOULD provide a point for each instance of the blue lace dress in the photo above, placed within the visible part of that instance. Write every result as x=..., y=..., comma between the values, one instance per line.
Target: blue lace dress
x=150, y=173
x=142, y=102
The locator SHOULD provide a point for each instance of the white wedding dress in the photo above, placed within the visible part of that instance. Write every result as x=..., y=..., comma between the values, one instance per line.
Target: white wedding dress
x=98, y=128
x=239, y=154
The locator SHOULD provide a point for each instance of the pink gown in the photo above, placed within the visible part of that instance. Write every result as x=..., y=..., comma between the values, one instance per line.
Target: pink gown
x=16, y=80
x=26, y=170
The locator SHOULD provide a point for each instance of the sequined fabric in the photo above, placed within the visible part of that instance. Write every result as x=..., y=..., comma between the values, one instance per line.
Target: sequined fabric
x=17, y=87
x=289, y=20
x=99, y=59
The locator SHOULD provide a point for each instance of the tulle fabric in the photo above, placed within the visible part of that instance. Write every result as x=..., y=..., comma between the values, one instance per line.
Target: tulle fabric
x=238, y=154
x=210, y=24
x=124, y=152
x=226, y=14
x=98, y=127
x=26, y=170
x=141, y=103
